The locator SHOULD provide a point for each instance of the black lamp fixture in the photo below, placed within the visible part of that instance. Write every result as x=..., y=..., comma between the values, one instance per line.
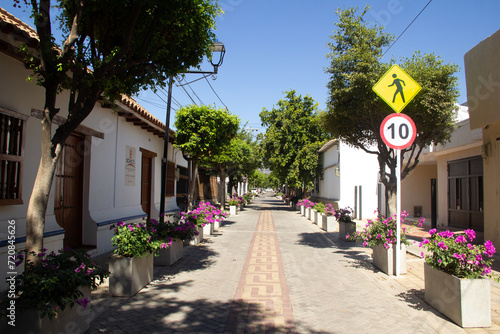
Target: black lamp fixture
x=219, y=48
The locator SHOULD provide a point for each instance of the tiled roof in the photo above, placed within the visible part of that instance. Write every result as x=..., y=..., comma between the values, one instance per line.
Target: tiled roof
x=141, y=117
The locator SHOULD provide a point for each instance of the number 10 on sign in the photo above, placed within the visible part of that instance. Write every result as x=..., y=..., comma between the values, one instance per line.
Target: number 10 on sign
x=398, y=131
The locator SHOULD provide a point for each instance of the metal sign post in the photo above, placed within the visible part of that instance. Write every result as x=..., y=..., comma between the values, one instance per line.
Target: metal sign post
x=398, y=131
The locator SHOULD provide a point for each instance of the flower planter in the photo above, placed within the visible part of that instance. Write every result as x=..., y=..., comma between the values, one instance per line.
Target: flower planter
x=345, y=229
x=385, y=259
x=197, y=238
x=307, y=212
x=329, y=223
x=128, y=275
x=312, y=214
x=232, y=210
x=168, y=256
x=216, y=224
x=208, y=229
x=319, y=219
x=28, y=319
x=302, y=210
x=467, y=302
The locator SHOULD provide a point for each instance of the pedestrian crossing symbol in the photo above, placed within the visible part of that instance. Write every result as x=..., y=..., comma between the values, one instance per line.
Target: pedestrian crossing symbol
x=396, y=88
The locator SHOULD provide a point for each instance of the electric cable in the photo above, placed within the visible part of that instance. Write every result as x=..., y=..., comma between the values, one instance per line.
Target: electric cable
x=216, y=93
x=406, y=28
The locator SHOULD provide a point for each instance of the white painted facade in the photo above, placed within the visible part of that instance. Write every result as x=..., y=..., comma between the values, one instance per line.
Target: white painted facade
x=109, y=195
x=350, y=178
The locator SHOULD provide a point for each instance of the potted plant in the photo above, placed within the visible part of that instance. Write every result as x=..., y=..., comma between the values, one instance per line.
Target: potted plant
x=234, y=202
x=131, y=265
x=302, y=204
x=456, y=272
x=50, y=296
x=329, y=222
x=173, y=234
x=347, y=226
x=318, y=216
x=381, y=235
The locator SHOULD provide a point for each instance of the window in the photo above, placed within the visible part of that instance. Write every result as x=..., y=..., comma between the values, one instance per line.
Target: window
x=12, y=133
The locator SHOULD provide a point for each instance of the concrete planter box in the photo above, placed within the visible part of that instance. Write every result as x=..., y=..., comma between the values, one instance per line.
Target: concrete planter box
x=345, y=229
x=197, y=238
x=312, y=214
x=319, y=219
x=208, y=229
x=385, y=259
x=232, y=210
x=128, y=275
x=467, y=302
x=329, y=223
x=302, y=210
x=307, y=212
x=28, y=319
x=168, y=256
x=216, y=224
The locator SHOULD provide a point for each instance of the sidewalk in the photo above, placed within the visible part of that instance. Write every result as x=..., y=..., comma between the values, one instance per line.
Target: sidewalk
x=270, y=270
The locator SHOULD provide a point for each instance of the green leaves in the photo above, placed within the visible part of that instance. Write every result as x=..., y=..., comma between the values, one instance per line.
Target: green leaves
x=292, y=139
x=355, y=112
x=204, y=131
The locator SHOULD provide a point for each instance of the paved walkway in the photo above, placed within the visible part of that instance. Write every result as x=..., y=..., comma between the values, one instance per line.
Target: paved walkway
x=270, y=270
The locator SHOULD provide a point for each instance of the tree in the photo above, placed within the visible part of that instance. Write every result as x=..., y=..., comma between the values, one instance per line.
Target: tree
x=355, y=112
x=203, y=132
x=229, y=158
x=292, y=140
x=109, y=48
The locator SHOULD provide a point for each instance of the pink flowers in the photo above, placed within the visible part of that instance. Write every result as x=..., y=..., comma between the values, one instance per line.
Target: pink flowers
x=457, y=255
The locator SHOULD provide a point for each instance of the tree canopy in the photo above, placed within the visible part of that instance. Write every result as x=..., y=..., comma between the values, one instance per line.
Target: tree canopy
x=292, y=140
x=355, y=112
x=205, y=133
x=108, y=48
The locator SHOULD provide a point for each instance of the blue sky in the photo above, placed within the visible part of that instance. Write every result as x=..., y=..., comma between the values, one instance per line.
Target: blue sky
x=275, y=45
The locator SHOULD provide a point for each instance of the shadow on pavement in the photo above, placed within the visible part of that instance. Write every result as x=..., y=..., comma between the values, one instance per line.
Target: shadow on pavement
x=150, y=311
x=415, y=299
x=357, y=259
x=314, y=239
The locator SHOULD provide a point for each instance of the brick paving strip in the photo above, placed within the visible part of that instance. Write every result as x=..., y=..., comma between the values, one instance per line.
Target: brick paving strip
x=262, y=302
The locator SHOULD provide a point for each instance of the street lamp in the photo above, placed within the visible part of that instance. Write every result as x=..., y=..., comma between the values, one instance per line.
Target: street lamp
x=217, y=48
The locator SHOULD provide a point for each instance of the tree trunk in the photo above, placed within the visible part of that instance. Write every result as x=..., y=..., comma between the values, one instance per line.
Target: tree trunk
x=192, y=184
x=37, y=207
x=391, y=198
x=221, y=193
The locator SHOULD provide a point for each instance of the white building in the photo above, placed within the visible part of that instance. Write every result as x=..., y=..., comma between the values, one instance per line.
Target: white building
x=350, y=178
x=110, y=169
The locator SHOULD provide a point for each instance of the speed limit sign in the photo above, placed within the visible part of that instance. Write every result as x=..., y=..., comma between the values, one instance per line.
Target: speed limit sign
x=398, y=131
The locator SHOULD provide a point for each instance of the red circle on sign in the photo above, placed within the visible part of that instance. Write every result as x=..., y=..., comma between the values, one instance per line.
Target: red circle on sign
x=398, y=131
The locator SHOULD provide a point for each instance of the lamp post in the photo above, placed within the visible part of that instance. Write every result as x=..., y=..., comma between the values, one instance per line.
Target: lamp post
x=218, y=47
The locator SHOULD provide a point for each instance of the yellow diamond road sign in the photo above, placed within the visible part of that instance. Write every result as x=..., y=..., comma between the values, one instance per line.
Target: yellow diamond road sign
x=396, y=88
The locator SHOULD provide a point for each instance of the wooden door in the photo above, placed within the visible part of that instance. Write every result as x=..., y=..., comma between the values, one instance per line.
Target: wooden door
x=69, y=191
x=146, y=184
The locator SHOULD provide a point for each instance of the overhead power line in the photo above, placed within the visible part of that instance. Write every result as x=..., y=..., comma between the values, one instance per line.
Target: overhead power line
x=215, y=92
x=406, y=28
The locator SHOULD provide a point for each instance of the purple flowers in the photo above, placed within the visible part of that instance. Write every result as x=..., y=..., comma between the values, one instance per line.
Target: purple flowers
x=457, y=255
x=382, y=231
x=83, y=302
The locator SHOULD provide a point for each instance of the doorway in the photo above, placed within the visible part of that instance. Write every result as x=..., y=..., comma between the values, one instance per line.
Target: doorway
x=68, y=201
x=147, y=181
x=465, y=193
